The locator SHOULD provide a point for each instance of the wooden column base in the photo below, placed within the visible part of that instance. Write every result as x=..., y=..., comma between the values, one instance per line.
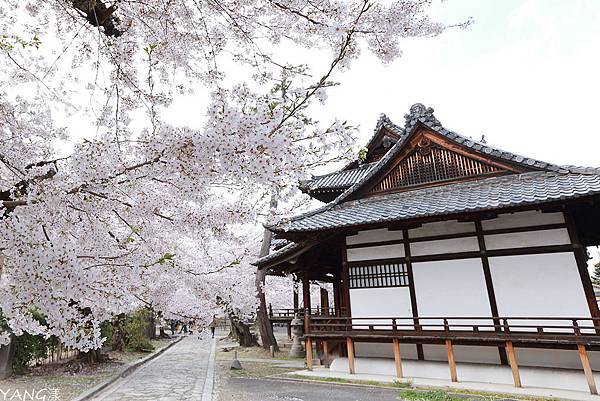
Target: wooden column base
x=587, y=369
x=309, y=353
x=451, y=361
x=397, y=358
x=350, y=347
x=512, y=360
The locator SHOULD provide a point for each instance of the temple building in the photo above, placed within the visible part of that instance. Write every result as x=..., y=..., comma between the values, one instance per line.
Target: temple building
x=444, y=249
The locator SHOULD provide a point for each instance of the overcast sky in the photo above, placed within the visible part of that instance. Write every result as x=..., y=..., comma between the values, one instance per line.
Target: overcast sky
x=525, y=73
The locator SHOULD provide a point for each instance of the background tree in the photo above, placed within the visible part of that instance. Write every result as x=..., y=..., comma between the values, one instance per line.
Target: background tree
x=596, y=274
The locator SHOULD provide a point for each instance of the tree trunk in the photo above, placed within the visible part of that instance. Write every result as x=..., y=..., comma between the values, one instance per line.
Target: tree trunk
x=242, y=332
x=91, y=357
x=118, y=334
x=7, y=356
x=264, y=324
x=150, y=330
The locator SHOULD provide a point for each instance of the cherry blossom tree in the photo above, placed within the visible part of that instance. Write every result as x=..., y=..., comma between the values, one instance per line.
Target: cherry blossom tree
x=107, y=204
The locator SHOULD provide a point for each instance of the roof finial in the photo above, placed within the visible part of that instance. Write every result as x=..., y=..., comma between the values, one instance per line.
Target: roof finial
x=418, y=111
x=482, y=140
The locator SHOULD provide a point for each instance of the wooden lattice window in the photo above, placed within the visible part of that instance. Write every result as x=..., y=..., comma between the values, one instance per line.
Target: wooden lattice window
x=431, y=163
x=377, y=275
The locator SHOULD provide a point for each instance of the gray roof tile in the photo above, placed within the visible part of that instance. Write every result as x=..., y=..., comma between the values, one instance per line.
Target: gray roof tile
x=338, y=180
x=487, y=194
x=289, y=248
x=518, y=189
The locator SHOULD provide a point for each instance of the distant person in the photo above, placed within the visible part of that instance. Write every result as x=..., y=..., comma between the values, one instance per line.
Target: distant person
x=173, y=326
x=212, y=326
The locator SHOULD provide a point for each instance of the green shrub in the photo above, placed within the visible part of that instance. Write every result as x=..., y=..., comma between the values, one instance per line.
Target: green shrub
x=106, y=331
x=135, y=331
x=29, y=347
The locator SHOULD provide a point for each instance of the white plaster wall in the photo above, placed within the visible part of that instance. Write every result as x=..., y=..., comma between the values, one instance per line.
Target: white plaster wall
x=441, y=228
x=451, y=288
x=384, y=350
x=462, y=353
x=453, y=245
x=562, y=379
x=381, y=302
x=376, y=252
x=530, y=238
x=383, y=234
x=539, y=285
x=523, y=219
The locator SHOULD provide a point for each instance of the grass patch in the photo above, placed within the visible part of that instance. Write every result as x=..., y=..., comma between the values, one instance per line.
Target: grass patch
x=412, y=395
x=423, y=394
x=339, y=380
x=402, y=384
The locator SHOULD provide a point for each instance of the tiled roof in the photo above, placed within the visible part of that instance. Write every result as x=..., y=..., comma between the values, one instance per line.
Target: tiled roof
x=338, y=180
x=278, y=243
x=345, y=178
x=286, y=250
x=420, y=114
x=424, y=115
x=487, y=194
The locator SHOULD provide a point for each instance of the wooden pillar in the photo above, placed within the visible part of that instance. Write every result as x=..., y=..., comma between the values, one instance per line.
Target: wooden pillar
x=336, y=295
x=306, y=301
x=584, y=275
x=411, y=287
x=324, y=302
x=510, y=350
x=325, y=348
x=350, y=347
x=587, y=369
x=345, y=281
x=451, y=361
x=397, y=358
x=309, y=353
x=487, y=274
x=296, y=302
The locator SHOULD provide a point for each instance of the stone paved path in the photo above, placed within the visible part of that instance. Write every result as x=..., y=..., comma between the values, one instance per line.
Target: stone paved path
x=179, y=374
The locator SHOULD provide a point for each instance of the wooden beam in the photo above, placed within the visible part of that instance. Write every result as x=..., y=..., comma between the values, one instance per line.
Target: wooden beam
x=350, y=348
x=584, y=275
x=587, y=369
x=325, y=348
x=489, y=284
x=309, y=353
x=397, y=358
x=411, y=287
x=451, y=361
x=510, y=350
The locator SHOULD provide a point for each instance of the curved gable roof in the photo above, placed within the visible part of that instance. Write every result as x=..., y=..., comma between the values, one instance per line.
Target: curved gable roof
x=421, y=116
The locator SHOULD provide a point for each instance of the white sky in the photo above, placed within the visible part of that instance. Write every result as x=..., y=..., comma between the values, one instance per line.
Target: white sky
x=525, y=74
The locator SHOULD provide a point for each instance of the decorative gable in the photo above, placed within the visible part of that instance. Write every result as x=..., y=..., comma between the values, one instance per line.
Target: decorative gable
x=428, y=160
